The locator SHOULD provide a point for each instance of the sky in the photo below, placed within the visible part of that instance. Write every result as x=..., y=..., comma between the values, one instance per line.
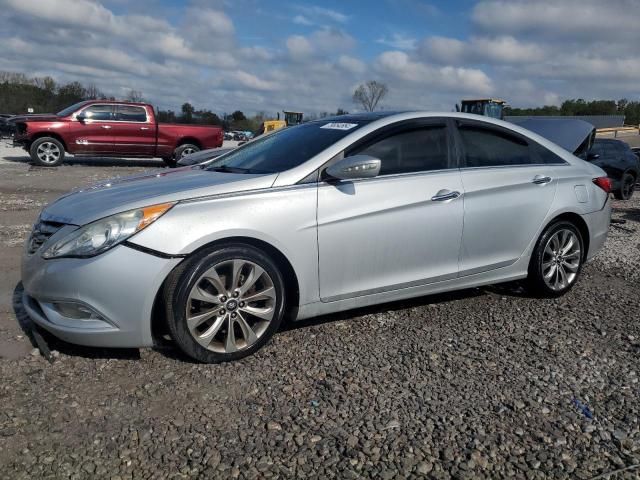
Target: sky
x=266, y=56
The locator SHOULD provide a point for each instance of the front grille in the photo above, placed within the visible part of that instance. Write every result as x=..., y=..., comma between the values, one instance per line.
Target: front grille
x=41, y=233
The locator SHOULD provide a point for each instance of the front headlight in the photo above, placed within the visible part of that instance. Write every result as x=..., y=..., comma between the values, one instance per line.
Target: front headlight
x=105, y=233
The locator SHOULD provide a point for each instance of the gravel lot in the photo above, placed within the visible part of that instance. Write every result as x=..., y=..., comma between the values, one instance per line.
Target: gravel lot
x=484, y=383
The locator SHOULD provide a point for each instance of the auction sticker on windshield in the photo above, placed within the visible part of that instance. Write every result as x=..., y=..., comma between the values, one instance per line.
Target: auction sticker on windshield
x=339, y=126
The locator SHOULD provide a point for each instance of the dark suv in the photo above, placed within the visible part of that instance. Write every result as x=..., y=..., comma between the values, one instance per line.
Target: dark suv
x=621, y=164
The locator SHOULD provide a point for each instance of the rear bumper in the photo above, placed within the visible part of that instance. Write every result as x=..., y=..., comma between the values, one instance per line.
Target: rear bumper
x=598, y=225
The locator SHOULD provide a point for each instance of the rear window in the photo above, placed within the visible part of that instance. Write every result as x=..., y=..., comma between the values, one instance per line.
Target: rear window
x=285, y=149
x=131, y=113
x=493, y=148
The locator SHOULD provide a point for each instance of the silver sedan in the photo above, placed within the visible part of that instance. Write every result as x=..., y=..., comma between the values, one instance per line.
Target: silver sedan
x=322, y=217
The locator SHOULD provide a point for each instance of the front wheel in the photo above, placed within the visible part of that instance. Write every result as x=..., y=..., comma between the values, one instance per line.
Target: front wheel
x=557, y=259
x=224, y=304
x=47, y=152
x=627, y=185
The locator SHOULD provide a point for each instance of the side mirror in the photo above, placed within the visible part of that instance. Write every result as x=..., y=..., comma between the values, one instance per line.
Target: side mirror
x=592, y=156
x=352, y=168
x=81, y=117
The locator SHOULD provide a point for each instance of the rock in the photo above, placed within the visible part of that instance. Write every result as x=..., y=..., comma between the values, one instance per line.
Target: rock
x=274, y=426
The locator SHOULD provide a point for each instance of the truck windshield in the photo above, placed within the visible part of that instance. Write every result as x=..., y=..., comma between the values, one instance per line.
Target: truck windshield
x=69, y=110
x=284, y=149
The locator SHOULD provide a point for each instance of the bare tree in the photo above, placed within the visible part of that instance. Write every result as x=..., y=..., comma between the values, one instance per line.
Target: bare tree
x=134, y=96
x=93, y=93
x=369, y=94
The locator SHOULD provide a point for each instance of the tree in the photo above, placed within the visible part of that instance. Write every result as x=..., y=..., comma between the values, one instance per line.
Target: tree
x=369, y=94
x=134, y=96
x=93, y=93
x=187, y=112
x=238, y=116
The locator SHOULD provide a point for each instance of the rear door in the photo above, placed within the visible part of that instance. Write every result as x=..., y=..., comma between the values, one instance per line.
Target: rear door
x=134, y=131
x=509, y=184
x=94, y=134
x=397, y=230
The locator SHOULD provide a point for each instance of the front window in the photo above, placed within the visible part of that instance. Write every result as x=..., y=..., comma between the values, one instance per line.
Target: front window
x=284, y=149
x=98, y=112
x=414, y=150
x=69, y=110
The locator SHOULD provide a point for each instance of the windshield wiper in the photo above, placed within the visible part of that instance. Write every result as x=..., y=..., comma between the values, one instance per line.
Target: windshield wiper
x=228, y=169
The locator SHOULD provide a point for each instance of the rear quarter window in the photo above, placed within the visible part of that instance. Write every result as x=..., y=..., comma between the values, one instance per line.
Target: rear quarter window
x=486, y=147
x=131, y=113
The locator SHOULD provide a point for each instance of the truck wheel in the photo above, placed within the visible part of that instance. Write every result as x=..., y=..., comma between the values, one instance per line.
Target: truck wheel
x=47, y=152
x=184, y=150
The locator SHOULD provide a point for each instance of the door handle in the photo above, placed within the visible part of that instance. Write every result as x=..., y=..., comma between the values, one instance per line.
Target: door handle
x=541, y=179
x=444, y=195
x=144, y=128
x=107, y=127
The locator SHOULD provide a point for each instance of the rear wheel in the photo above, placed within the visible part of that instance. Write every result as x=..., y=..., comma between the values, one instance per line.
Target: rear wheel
x=557, y=259
x=627, y=186
x=47, y=152
x=184, y=150
x=224, y=304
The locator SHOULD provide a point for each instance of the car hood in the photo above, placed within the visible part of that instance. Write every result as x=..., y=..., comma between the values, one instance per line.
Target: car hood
x=35, y=117
x=160, y=186
x=203, y=156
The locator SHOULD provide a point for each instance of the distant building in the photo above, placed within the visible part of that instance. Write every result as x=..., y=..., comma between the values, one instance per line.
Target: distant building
x=598, y=121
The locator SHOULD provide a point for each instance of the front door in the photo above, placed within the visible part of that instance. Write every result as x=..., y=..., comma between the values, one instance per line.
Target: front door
x=400, y=229
x=134, y=132
x=510, y=183
x=93, y=134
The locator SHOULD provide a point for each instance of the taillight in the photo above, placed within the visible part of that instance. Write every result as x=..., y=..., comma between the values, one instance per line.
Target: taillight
x=604, y=183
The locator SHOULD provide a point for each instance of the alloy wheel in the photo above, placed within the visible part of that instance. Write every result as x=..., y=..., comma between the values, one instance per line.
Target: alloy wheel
x=627, y=187
x=48, y=152
x=230, y=306
x=561, y=259
x=187, y=151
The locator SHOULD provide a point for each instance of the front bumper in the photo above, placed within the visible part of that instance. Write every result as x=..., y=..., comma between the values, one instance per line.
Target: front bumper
x=120, y=285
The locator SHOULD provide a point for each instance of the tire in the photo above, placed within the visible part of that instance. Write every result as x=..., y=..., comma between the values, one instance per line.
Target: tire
x=543, y=260
x=197, y=308
x=170, y=162
x=184, y=149
x=627, y=185
x=47, y=152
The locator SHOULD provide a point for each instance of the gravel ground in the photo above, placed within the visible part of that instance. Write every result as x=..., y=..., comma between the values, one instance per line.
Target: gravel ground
x=483, y=383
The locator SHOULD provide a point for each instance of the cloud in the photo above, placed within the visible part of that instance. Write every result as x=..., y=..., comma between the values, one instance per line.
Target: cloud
x=299, y=47
x=321, y=14
x=398, y=41
x=480, y=49
x=351, y=64
x=569, y=18
x=302, y=20
x=529, y=52
x=401, y=66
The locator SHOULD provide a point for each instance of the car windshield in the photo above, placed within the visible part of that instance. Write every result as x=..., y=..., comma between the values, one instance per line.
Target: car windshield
x=284, y=149
x=69, y=110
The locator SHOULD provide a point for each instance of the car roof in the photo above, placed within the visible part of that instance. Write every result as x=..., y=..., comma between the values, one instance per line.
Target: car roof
x=358, y=117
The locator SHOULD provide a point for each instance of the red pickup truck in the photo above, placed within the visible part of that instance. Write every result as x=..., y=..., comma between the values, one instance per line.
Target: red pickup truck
x=108, y=128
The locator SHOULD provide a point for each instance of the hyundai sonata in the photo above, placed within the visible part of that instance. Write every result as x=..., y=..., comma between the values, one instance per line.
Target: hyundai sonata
x=322, y=217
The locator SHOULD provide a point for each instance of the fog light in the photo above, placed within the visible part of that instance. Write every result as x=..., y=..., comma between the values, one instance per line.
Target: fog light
x=77, y=311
